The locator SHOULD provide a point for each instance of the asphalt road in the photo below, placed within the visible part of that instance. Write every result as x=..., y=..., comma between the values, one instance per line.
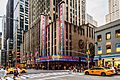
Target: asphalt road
x=63, y=75
x=66, y=75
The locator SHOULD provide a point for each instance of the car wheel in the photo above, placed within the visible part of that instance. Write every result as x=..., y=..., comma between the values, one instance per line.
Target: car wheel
x=103, y=74
x=11, y=72
x=87, y=73
x=23, y=71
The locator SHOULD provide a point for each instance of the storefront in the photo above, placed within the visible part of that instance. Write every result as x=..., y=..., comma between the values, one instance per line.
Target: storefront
x=59, y=62
x=108, y=60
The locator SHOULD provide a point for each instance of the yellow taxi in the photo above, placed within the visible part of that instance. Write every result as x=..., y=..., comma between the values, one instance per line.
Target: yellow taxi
x=23, y=70
x=10, y=70
x=99, y=71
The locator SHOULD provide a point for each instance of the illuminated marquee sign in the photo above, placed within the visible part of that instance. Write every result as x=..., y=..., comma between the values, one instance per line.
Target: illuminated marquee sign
x=58, y=58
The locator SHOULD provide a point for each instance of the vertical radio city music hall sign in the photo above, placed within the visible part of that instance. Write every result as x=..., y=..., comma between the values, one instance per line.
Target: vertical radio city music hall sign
x=61, y=27
x=43, y=26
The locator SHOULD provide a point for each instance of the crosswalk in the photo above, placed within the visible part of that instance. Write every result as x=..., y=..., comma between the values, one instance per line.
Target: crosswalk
x=44, y=76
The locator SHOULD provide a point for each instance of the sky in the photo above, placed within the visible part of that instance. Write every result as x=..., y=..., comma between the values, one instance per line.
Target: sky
x=96, y=8
x=2, y=11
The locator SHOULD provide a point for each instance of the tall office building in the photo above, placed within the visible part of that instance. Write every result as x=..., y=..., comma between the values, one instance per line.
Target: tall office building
x=9, y=19
x=8, y=29
x=20, y=26
x=0, y=45
x=4, y=43
x=0, y=40
x=89, y=19
x=59, y=35
x=114, y=11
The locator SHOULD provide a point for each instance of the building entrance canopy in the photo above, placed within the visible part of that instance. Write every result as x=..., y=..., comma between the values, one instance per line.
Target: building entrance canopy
x=58, y=58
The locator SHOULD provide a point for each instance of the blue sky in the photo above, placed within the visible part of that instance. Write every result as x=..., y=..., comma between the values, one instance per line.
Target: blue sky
x=96, y=8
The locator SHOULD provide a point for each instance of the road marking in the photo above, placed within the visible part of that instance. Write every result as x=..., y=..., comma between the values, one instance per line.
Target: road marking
x=42, y=75
x=55, y=77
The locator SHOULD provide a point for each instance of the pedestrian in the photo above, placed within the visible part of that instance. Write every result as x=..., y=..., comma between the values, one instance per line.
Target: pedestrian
x=16, y=74
x=18, y=69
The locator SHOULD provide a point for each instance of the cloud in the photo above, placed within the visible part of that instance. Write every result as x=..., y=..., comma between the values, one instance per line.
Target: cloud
x=98, y=9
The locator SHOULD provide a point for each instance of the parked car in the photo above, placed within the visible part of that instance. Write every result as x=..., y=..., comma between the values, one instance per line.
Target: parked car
x=99, y=71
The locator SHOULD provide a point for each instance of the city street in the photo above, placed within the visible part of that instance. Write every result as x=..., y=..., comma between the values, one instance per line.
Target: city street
x=63, y=75
x=59, y=39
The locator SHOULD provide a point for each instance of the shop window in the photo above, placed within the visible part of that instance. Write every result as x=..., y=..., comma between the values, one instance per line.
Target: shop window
x=108, y=47
x=99, y=50
x=117, y=47
x=108, y=35
x=117, y=33
x=99, y=38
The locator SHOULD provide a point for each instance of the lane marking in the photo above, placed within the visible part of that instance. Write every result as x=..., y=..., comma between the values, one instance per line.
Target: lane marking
x=54, y=77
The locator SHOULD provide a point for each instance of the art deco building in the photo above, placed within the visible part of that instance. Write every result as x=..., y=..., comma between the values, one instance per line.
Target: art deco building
x=59, y=35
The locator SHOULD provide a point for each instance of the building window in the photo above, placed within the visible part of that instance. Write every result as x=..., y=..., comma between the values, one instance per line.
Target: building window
x=55, y=50
x=117, y=47
x=92, y=33
x=99, y=50
x=108, y=47
x=53, y=2
x=75, y=28
x=99, y=38
x=117, y=33
x=108, y=35
x=67, y=51
x=87, y=31
x=71, y=3
x=66, y=1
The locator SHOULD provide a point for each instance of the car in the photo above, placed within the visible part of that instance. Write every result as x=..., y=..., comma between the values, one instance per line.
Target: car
x=99, y=71
x=113, y=68
x=23, y=70
x=10, y=70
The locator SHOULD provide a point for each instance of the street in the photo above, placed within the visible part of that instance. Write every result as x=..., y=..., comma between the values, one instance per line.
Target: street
x=63, y=75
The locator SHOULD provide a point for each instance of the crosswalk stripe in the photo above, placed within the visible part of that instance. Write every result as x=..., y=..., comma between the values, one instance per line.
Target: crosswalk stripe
x=45, y=74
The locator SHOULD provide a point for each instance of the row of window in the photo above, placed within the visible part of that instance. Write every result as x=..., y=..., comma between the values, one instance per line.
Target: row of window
x=108, y=35
x=109, y=48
